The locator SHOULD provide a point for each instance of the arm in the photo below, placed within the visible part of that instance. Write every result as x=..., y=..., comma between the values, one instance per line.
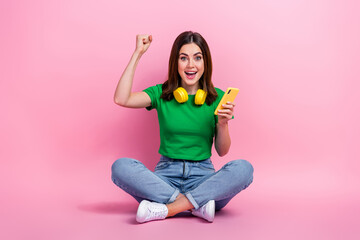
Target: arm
x=123, y=95
x=222, y=136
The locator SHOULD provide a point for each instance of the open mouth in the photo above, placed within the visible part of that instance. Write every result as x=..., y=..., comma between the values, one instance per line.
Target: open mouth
x=190, y=75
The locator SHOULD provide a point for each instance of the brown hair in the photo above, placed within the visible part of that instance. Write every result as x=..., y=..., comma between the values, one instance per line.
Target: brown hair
x=174, y=79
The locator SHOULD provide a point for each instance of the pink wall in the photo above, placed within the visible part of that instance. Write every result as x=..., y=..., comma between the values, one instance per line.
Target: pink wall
x=296, y=64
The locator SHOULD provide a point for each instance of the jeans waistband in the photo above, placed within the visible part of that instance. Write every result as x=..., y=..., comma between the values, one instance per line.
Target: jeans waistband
x=180, y=160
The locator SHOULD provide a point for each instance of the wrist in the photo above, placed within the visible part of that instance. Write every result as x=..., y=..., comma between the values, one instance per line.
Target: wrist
x=137, y=54
x=222, y=124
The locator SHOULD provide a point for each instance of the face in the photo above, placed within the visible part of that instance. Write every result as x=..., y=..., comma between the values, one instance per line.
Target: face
x=190, y=65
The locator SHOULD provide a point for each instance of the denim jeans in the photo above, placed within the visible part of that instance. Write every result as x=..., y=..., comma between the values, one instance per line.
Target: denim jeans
x=197, y=180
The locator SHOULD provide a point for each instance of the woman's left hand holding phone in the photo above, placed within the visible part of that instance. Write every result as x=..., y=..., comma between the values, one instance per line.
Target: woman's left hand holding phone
x=226, y=113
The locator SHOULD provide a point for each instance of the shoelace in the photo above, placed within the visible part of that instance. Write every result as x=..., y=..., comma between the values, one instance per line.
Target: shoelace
x=155, y=212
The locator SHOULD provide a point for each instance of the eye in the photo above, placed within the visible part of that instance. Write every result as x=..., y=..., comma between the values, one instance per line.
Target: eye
x=198, y=58
x=183, y=58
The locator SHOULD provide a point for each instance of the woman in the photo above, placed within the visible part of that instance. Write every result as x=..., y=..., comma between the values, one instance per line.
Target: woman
x=184, y=179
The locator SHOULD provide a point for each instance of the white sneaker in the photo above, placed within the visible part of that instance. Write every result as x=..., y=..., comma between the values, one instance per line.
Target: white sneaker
x=206, y=212
x=148, y=211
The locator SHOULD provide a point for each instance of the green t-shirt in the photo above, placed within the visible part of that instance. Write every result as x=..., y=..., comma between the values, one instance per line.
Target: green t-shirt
x=186, y=129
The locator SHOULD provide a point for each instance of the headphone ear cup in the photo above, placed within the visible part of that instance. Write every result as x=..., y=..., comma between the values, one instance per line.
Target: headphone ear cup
x=181, y=95
x=200, y=97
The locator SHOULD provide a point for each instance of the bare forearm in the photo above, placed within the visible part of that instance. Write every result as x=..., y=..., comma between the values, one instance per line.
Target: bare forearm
x=123, y=89
x=222, y=139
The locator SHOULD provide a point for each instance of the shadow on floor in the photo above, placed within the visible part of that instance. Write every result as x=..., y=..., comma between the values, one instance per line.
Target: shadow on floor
x=130, y=208
x=110, y=207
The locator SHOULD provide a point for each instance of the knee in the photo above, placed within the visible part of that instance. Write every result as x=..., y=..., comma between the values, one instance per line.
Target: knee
x=120, y=166
x=242, y=168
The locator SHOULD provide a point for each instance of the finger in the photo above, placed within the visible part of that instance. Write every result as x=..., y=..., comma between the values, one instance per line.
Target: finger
x=231, y=103
x=226, y=106
x=147, y=39
x=222, y=115
x=225, y=111
x=227, y=116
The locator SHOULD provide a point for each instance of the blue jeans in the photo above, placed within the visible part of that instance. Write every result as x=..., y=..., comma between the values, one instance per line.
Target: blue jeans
x=197, y=180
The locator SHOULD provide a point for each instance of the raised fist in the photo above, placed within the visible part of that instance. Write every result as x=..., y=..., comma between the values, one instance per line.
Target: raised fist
x=143, y=43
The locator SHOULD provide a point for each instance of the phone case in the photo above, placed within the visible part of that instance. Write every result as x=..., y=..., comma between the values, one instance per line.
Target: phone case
x=229, y=96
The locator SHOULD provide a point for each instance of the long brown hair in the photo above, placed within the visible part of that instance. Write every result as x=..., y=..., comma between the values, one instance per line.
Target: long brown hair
x=174, y=79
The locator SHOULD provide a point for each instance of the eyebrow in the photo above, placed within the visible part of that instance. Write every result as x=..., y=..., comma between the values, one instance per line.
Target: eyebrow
x=188, y=55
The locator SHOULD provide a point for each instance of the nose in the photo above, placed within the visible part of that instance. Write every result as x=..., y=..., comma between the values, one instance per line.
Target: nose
x=190, y=63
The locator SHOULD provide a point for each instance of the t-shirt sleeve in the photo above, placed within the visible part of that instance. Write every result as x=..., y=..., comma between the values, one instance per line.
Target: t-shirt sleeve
x=154, y=93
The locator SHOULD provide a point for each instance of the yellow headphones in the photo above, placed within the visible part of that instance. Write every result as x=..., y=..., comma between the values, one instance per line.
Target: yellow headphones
x=181, y=96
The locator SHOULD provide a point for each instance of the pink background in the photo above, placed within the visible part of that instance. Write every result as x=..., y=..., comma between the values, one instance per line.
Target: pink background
x=297, y=115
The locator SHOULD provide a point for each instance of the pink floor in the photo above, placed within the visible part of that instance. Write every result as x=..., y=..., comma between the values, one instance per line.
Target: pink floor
x=80, y=202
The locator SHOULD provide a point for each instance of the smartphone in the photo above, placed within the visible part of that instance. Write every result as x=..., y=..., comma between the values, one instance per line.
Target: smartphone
x=229, y=96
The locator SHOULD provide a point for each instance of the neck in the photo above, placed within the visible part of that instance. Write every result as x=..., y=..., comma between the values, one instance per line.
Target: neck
x=191, y=90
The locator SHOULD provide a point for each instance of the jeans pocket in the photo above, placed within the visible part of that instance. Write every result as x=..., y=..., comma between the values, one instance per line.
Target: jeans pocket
x=206, y=165
x=162, y=165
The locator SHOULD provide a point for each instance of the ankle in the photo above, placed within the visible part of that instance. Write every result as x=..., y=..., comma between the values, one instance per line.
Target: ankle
x=179, y=196
x=171, y=211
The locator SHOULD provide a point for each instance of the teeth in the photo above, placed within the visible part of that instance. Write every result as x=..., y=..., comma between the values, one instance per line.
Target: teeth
x=190, y=72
